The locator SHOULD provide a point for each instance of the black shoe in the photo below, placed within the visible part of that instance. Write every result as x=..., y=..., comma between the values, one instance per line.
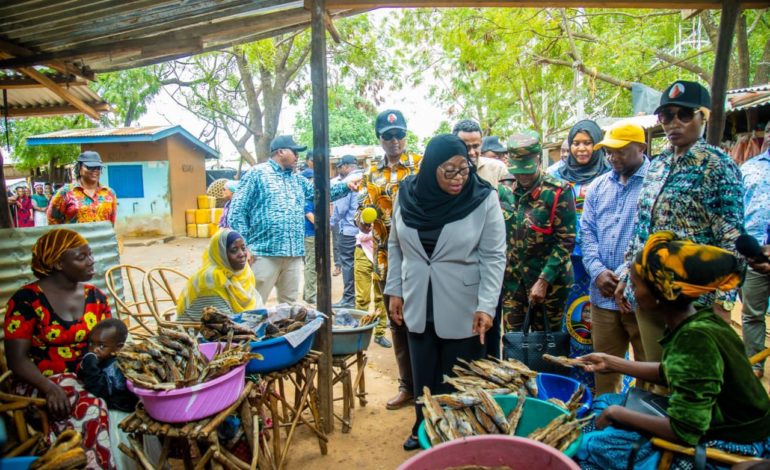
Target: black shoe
x=411, y=443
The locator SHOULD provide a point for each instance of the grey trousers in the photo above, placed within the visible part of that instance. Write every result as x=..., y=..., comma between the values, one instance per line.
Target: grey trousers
x=347, y=244
x=336, y=245
x=281, y=272
x=754, y=294
x=310, y=289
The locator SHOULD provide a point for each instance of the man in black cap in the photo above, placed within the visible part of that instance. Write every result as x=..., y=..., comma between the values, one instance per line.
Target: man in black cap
x=269, y=212
x=343, y=218
x=379, y=190
x=492, y=148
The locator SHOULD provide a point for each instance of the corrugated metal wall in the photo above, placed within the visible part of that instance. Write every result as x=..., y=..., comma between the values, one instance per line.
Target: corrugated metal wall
x=16, y=255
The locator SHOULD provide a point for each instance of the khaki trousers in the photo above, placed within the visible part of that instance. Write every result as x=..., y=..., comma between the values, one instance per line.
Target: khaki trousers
x=362, y=273
x=281, y=272
x=651, y=328
x=612, y=332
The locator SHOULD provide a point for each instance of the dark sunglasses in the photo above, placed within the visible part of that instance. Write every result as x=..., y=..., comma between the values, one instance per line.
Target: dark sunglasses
x=685, y=115
x=398, y=134
x=92, y=168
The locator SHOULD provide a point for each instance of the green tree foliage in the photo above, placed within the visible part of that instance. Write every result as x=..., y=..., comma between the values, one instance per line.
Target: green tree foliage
x=544, y=68
x=129, y=92
x=351, y=120
x=43, y=155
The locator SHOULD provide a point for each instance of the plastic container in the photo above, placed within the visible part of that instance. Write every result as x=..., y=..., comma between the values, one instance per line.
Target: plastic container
x=206, y=202
x=16, y=463
x=352, y=340
x=196, y=402
x=202, y=216
x=213, y=228
x=278, y=354
x=491, y=451
x=192, y=230
x=217, y=215
x=562, y=388
x=189, y=216
x=202, y=230
x=537, y=414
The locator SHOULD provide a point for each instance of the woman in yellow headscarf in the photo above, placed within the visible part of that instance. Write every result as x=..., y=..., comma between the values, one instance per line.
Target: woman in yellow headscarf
x=715, y=398
x=225, y=280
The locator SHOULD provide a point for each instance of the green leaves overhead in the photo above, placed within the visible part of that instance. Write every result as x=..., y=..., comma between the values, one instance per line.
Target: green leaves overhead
x=34, y=157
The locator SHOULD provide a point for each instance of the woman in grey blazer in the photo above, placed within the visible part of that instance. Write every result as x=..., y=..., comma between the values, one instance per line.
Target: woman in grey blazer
x=446, y=257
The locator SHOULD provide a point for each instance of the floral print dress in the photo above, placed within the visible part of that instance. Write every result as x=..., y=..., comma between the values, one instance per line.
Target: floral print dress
x=56, y=349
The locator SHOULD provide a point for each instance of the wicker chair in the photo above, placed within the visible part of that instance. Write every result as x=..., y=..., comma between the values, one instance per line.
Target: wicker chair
x=23, y=438
x=132, y=307
x=161, y=287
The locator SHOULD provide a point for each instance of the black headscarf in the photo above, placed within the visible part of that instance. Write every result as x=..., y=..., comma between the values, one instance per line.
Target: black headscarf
x=424, y=205
x=574, y=172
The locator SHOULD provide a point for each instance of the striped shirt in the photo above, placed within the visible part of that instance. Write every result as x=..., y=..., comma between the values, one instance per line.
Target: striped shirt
x=268, y=209
x=607, y=225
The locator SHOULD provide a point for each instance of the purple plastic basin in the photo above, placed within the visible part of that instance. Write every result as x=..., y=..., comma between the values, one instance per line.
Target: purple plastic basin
x=196, y=402
x=490, y=451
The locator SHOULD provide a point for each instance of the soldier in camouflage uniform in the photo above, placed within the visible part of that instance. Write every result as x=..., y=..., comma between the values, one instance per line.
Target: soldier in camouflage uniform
x=541, y=235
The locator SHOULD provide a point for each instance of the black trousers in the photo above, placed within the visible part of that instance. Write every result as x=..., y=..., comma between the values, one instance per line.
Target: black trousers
x=494, y=336
x=433, y=357
x=400, y=348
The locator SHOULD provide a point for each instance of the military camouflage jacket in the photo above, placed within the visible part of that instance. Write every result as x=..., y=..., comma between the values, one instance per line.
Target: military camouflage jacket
x=541, y=233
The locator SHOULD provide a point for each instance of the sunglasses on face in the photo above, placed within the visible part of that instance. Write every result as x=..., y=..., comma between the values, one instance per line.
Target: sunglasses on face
x=393, y=135
x=93, y=168
x=685, y=115
x=451, y=172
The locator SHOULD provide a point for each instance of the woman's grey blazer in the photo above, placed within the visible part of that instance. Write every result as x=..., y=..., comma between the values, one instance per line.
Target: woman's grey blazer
x=466, y=270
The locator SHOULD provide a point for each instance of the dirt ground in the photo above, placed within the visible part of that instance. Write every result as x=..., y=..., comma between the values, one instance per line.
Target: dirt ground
x=375, y=439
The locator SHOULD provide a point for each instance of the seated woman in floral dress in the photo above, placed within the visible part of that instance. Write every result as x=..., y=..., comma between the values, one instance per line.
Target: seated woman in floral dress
x=715, y=398
x=47, y=323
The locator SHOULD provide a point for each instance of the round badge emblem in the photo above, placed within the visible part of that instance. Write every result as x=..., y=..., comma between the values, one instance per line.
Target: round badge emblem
x=676, y=90
x=391, y=118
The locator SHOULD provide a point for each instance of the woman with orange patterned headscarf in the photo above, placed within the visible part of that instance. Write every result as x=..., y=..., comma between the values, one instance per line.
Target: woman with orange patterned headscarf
x=47, y=323
x=715, y=399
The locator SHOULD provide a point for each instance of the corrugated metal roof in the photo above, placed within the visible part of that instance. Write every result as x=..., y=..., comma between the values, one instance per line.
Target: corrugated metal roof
x=16, y=254
x=747, y=98
x=28, y=98
x=119, y=135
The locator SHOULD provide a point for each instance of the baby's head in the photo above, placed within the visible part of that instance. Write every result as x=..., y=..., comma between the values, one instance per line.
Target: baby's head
x=107, y=337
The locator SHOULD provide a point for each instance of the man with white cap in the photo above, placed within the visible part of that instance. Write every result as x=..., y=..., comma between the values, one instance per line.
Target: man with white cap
x=606, y=227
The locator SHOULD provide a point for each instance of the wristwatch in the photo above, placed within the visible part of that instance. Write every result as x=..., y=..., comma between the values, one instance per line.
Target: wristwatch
x=728, y=305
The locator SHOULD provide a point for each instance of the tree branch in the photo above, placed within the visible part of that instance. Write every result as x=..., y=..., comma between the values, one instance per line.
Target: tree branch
x=590, y=71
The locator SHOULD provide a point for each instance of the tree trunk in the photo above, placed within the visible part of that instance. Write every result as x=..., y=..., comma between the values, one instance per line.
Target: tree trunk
x=762, y=74
x=741, y=79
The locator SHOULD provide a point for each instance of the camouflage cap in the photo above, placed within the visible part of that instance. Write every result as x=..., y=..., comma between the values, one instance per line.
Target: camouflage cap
x=524, y=143
x=523, y=150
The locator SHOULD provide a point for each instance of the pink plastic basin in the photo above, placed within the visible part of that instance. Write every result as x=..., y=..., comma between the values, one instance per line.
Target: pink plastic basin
x=492, y=450
x=196, y=402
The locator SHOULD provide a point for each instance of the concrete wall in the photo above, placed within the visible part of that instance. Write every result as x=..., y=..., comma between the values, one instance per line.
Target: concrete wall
x=149, y=215
x=187, y=176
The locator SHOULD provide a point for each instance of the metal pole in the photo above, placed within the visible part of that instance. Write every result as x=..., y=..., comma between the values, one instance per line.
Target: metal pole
x=321, y=209
x=730, y=11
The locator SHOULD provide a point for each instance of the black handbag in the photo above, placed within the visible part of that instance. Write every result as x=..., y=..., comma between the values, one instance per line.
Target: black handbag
x=529, y=346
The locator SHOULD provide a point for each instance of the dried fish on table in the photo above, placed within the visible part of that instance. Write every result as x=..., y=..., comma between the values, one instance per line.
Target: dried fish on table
x=564, y=361
x=298, y=316
x=561, y=431
x=215, y=326
x=183, y=366
x=497, y=377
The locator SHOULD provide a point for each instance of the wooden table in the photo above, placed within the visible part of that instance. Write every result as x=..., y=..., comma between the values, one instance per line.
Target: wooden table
x=352, y=388
x=194, y=435
x=288, y=412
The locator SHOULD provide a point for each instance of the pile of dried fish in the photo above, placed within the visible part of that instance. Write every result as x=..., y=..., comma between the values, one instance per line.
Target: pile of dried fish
x=496, y=376
x=476, y=413
x=296, y=320
x=573, y=404
x=215, y=326
x=172, y=360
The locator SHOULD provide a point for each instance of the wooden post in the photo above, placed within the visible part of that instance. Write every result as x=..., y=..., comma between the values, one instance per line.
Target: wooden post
x=321, y=209
x=730, y=11
x=5, y=211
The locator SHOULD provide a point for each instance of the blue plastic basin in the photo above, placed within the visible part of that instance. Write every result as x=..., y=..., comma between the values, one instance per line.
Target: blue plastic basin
x=562, y=388
x=278, y=354
x=352, y=340
x=16, y=463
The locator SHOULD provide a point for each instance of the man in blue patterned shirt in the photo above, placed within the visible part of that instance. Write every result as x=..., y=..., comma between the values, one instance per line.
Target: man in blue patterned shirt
x=269, y=212
x=606, y=227
x=756, y=287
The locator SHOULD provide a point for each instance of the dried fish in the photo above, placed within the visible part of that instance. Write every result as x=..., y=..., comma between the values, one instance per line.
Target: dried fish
x=515, y=415
x=564, y=361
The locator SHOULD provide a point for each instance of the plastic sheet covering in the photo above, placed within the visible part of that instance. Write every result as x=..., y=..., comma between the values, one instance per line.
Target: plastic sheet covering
x=16, y=256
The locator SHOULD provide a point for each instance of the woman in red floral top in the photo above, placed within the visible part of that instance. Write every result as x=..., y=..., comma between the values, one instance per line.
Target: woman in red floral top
x=47, y=323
